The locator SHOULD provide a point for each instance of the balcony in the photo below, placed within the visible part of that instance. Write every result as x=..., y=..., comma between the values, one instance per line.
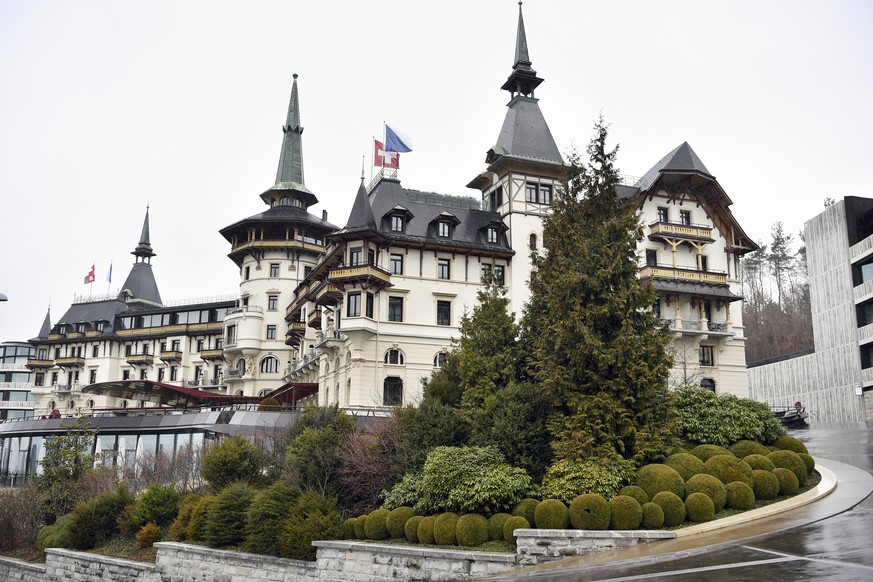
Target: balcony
x=314, y=319
x=140, y=359
x=27, y=404
x=62, y=388
x=675, y=230
x=331, y=339
x=75, y=335
x=216, y=354
x=171, y=356
x=683, y=274
x=39, y=363
x=363, y=274
x=72, y=362
x=867, y=376
x=232, y=375
x=695, y=327
x=329, y=294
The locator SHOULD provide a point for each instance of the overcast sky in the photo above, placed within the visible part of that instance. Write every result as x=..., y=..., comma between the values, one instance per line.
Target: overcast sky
x=108, y=106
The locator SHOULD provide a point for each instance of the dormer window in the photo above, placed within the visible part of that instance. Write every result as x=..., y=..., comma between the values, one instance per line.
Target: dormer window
x=397, y=223
x=492, y=235
x=444, y=229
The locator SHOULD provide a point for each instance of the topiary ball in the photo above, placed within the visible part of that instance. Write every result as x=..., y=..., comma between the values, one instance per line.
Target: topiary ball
x=526, y=508
x=495, y=525
x=411, y=528
x=349, y=529
x=704, y=452
x=673, y=506
x=360, y=523
x=742, y=449
x=396, y=521
x=444, y=529
x=625, y=512
x=766, y=485
x=791, y=461
x=637, y=493
x=685, y=464
x=425, y=530
x=551, y=514
x=655, y=478
x=728, y=468
x=513, y=523
x=374, y=526
x=740, y=495
x=590, y=511
x=653, y=516
x=471, y=530
x=759, y=462
x=789, y=443
x=709, y=486
x=788, y=483
x=808, y=461
x=699, y=507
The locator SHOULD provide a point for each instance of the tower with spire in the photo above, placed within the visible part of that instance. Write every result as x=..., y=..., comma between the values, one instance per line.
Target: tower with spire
x=140, y=288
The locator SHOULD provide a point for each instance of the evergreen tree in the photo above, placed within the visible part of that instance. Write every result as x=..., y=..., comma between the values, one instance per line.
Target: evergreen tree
x=600, y=352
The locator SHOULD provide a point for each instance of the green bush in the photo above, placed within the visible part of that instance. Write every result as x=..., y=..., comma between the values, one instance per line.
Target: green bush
x=230, y=460
x=425, y=530
x=590, y=511
x=148, y=535
x=179, y=527
x=699, y=508
x=411, y=528
x=765, y=485
x=445, y=528
x=760, y=462
x=124, y=521
x=704, y=452
x=742, y=449
x=158, y=504
x=740, y=495
x=565, y=479
x=396, y=521
x=375, y=526
x=655, y=478
x=551, y=514
x=808, y=461
x=348, y=529
x=709, y=486
x=312, y=517
x=788, y=483
x=360, y=527
x=226, y=517
x=471, y=530
x=265, y=516
x=653, y=516
x=198, y=518
x=685, y=464
x=495, y=525
x=637, y=493
x=269, y=405
x=526, y=509
x=728, y=468
x=405, y=493
x=789, y=443
x=54, y=536
x=721, y=420
x=513, y=523
x=791, y=461
x=673, y=507
x=625, y=512
x=95, y=520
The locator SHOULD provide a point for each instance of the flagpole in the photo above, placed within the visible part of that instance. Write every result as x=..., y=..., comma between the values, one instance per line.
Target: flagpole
x=384, y=144
x=373, y=157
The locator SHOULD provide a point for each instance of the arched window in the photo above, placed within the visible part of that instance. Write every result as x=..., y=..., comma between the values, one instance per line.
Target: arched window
x=270, y=365
x=392, y=393
x=239, y=393
x=348, y=391
x=241, y=366
x=439, y=360
x=533, y=242
x=53, y=405
x=71, y=405
x=394, y=356
x=90, y=404
x=124, y=403
x=262, y=393
x=708, y=384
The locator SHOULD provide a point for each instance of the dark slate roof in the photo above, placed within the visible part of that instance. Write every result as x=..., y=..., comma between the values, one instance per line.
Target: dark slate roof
x=705, y=289
x=141, y=283
x=46, y=328
x=144, y=248
x=291, y=157
x=523, y=78
x=292, y=214
x=624, y=191
x=681, y=159
x=525, y=133
x=361, y=217
x=92, y=311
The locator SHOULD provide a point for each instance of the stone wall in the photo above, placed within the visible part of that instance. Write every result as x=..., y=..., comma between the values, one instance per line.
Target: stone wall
x=69, y=566
x=186, y=563
x=12, y=570
x=535, y=546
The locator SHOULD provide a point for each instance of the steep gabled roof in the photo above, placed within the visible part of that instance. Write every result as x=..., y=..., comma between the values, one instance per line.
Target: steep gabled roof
x=680, y=159
x=361, y=217
x=525, y=133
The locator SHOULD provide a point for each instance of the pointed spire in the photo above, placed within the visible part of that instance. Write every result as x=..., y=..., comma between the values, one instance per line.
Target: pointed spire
x=291, y=156
x=143, y=250
x=361, y=217
x=46, y=328
x=523, y=79
x=521, y=54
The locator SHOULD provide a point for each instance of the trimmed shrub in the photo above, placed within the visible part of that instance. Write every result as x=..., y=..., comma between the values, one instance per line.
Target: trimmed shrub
x=158, y=505
x=773, y=449
x=728, y=468
x=565, y=480
x=808, y=461
x=590, y=511
x=266, y=514
x=269, y=404
x=411, y=528
x=765, y=484
x=551, y=514
x=360, y=527
x=655, y=478
x=721, y=420
x=759, y=462
x=685, y=464
x=673, y=506
x=789, y=443
x=792, y=461
x=226, y=518
x=788, y=483
x=348, y=528
x=637, y=493
x=709, y=486
x=526, y=508
x=95, y=520
x=312, y=517
x=740, y=495
x=699, y=507
x=232, y=459
x=54, y=536
x=425, y=530
x=704, y=452
x=653, y=516
x=625, y=512
x=179, y=527
x=375, y=526
x=471, y=530
x=198, y=518
x=513, y=523
x=495, y=525
x=445, y=529
x=396, y=521
x=148, y=535
x=742, y=449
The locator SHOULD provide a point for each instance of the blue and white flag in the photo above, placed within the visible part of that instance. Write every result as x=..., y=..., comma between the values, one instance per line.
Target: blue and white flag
x=109, y=274
x=396, y=141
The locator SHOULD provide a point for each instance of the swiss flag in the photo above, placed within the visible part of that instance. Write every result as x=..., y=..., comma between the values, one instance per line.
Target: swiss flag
x=383, y=158
x=89, y=278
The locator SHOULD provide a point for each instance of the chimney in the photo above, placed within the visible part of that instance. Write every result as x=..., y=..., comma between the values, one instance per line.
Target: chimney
x=324, y=215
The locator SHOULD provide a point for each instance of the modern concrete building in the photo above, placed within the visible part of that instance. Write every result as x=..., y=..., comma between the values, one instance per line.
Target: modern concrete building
x=16, y=401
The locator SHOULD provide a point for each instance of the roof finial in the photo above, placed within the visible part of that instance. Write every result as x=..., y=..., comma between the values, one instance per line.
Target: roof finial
x=523, y=78
x=362, y=168
x=144, y=249
x=291, y=156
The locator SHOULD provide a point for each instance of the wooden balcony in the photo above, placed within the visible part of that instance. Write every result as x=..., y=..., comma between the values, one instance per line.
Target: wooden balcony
x=683, y=274
x=171, y=356
x=216, y=354
x=329, y=294
x=75, y=335
x=364, y=274
x=295, y=333
x=674, y=231
x=141, y=359
x=73, y=362
x=314, y=319
x=37, y=363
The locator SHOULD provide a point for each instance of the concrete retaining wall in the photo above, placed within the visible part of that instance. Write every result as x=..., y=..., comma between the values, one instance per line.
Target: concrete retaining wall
x=535, y=546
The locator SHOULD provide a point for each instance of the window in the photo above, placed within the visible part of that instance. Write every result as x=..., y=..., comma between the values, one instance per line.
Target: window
x=545, y=194
x=530, y=193
x=81, y=327
x=161, y=372
x=248, y=272
x=532, y=245
x=439, y=360
x=198, y=372
x=497, y=273
x=369, y=306
x=95, y=351
x=42, y=353
x=397, y=223
x=704, y=264
x=177, y=344
x=143, y=374
x=39, y=379
x=353, y=304
x=355, y=256
x=92, y=377
x=492, y=235
x=230, y=337
x=200, y=345
x=706, y=356
x=444, y=270
x=90, y=404
x=101, y=325
x=651, y=258
x=306, y=270
x=271, y=332
x=396, y=264
x=219, y=343
x=54, y=378
x=444, y=313
x=395, y=308
x=125, y=375
x=392, y=392
x=270, y=365
x=371, y=257
x=496, y=198
x=443, y=229
x=57, y=353
x=656, y=308
x=272, y=302
x=174, y=373
x=394, y=356
x=274, y=270
x=538, y=193
x=127, y=350
x=663, y=216
x=685, y=217
x=708, y=384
